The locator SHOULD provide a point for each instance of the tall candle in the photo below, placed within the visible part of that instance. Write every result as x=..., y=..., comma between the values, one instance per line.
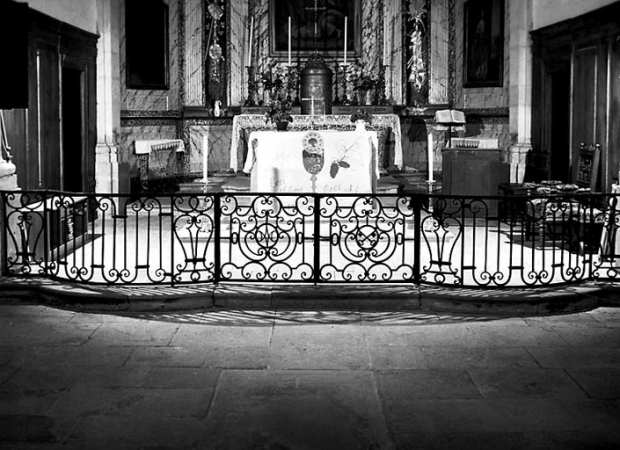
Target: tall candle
x=431, y=156
x=205, y=156
x=385, y=43
x=289, y=41
x=250, y=41
x=345, y=39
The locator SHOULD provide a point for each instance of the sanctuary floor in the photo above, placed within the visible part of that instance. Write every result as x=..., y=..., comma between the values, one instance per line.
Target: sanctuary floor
x=286, y=379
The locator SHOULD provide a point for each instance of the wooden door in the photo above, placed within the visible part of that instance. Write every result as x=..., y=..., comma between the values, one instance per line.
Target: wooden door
x=585, y=67
x=45, y=132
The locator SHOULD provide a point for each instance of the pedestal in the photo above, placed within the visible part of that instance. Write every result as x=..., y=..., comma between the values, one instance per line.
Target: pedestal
x=472, y=172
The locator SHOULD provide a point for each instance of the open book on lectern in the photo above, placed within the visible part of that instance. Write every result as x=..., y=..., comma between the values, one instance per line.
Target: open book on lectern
x=449, y=118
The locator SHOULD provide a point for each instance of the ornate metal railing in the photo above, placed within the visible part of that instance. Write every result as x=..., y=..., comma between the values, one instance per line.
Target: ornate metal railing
x=511, y=241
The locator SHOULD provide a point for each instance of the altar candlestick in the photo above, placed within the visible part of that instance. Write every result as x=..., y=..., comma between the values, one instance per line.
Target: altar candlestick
x=385, y=46
x=205, y=157
x=345, y=39
x=430, y=156
x=289, y=41
x=250, y=41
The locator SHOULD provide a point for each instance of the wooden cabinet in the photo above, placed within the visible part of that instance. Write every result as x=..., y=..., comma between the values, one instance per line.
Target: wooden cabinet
x=473, y=172
x=53, y=141
x=576, y=93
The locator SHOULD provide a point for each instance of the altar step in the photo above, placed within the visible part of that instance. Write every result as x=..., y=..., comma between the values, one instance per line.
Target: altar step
x=385, y=185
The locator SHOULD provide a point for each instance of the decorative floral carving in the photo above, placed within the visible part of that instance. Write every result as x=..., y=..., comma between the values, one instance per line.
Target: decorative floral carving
x=417, y=67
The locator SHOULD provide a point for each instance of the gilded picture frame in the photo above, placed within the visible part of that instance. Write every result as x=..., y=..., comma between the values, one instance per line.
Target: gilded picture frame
x=484, y=43
x=330, y=21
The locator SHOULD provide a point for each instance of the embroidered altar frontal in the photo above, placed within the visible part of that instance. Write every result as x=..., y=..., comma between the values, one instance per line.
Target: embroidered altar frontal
x=313, y=162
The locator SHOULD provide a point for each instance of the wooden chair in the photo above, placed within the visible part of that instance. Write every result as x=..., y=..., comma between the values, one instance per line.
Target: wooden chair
x=588, y=161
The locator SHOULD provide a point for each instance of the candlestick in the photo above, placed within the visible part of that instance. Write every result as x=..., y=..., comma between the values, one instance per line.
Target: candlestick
x=289, y=40
x=205, y=157
x=430, y=157
x=385, y=46
x=345, y=39
x=250, y=42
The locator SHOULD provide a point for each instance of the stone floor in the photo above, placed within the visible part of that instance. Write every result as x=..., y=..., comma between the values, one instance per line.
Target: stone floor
x=285, y=379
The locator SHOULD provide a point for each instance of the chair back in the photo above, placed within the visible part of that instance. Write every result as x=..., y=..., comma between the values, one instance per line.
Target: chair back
x=588, y=162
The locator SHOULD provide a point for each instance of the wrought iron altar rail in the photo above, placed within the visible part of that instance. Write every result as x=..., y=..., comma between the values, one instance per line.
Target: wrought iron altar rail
x=510, y=241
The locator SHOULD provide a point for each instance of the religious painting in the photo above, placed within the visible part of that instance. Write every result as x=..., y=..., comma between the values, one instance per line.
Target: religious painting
x=146, y=44
x=315, y=25
x=484, y=43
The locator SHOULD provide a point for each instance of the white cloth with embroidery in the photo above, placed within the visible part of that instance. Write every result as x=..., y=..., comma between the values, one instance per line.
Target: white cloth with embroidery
x=389, y=124
x=313, y=161
x=143, y=147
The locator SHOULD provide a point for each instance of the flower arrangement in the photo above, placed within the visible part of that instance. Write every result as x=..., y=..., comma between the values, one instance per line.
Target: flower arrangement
x=274, y=79
x=279, y=111
x=361, y=115
x=359, y=80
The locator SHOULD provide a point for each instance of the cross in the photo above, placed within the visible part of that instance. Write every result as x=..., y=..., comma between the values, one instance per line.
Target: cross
x=311, y=99
x=316, y=10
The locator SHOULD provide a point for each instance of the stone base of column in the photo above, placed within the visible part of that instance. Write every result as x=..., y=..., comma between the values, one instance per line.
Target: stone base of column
x=111, y=176
x=517, y=158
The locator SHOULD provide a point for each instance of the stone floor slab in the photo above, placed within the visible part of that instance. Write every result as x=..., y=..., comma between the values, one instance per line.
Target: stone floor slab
x=134, y=432
x=181, y=378
x=543, y=440
x=221, y=336
x=576, y=357
x=296, y=409
x=402, y=357
x=525, y=383
x=88, y=401
x=477, y=357
x=598, y=383
x=506, y=415
x=167, y=357
x=426, y=384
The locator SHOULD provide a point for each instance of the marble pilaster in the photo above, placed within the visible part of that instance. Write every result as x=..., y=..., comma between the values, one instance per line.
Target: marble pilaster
x=156, y=100
x=107, y=178
x=194, y=74
x=439, y=51
x=520, y=82
x=238, y=52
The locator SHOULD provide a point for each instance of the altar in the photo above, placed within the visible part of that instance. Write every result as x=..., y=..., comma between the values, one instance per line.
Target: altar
x=386, y=126
x=313, y=161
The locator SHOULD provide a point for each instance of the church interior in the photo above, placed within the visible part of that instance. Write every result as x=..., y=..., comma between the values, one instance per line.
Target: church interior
x=402, y=291
x=96, y=85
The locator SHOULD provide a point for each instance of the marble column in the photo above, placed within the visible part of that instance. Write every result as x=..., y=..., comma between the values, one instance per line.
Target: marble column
x=8, y=182
x=520, y=86
x=238, y=35
x=194, y=67
x=439, y=52
x=108, y=177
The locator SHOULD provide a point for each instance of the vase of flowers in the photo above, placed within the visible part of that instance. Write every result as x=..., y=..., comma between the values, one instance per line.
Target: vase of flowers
x=279, y=113
x=365, y=86
x=360, y=119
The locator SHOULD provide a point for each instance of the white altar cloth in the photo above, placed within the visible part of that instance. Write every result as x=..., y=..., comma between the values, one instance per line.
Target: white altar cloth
x=143, y=147
x=280, y=161
x=388, y=124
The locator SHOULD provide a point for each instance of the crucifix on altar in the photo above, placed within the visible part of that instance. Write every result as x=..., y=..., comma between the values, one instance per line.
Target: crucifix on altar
x=316, y=77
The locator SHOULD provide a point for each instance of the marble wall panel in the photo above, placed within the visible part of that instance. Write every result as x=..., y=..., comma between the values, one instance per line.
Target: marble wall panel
x=239, y=23
x=491, y=97
x=133, y=130
x=193, y=15
x=415, y=137
x=219, y=134
x=439, y=52
x=134, y=99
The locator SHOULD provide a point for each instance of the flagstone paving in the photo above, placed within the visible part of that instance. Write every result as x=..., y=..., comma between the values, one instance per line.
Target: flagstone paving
x=278, y=379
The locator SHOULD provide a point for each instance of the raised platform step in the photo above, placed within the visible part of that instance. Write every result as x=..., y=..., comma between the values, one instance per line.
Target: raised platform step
x=385, y=185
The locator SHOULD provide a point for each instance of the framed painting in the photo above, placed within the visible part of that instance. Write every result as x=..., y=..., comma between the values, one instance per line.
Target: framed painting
x=146, y=44
x=315, y=25
x=484, y=43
